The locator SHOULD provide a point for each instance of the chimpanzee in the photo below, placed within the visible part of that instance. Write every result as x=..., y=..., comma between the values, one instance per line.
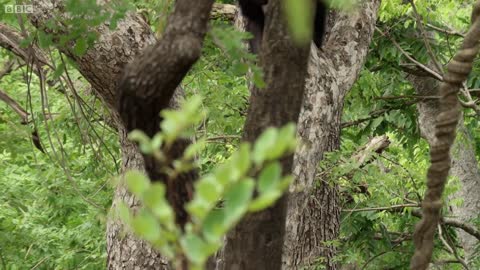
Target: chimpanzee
x=252, y=10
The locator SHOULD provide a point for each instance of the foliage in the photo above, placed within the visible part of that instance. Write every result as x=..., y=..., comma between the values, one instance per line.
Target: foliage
x=375, y=234
x=230, y=183
x=47, y=218
x=44, y=217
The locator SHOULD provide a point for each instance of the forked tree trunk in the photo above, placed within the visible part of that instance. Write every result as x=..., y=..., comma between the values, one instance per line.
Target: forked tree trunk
x=313, y=208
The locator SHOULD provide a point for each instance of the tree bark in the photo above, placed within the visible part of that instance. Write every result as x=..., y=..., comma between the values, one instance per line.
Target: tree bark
x=256, y=243
x=102, y=66
x=313, y=210
x=464, y=162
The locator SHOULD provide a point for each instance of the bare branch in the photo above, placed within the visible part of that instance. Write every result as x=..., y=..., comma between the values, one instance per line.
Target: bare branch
x=424, y=37
x=377, y=113
x=445, y=31
x=10, y=39
x=15, y=106
x=392, y=207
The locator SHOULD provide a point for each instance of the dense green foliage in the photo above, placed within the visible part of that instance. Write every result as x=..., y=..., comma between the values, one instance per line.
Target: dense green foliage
x=53, y=206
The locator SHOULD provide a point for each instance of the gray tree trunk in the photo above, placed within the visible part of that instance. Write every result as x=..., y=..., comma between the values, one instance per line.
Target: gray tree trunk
x=464, y=162
x=314, y=210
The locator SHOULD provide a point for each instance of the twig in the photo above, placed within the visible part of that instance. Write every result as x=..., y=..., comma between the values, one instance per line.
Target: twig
x=376, y=113
x=15, y=106
x=424, y=37
x=223, y=138
x=39, y=263
x=398, y=206
x=445, y=31
x=450, y=247
x=435, y=74
x=454, y=223
x=407, y=96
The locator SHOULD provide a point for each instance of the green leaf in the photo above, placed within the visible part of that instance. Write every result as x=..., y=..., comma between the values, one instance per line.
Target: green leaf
x=44, y=40
x=300, y=19
x=137, y=182
x=213, y=226
x=156, y=141
x=198, y=208
x=258, y=78
x=59, y=71
x=285, y=143
x=124, y=212
x=80, y=47
x=285, y=182
x=242, y=159
x=264, y=201
x=208, y=189
x=264, y=143
x=145, y=225
x=154, y=198
x=196, y=250
x=237, y=200
x=269, y=177
x=194, y=149
x=223, y=174
x=142, y=139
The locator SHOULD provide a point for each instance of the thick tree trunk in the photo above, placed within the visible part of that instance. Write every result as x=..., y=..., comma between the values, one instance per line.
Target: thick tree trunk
x=256, y=243
x=314, y=210
x=101, y=66
x=464, y=162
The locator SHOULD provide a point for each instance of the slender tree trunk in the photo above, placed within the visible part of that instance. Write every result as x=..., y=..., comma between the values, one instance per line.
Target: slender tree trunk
x=464, y=162
x=256, y=243
x=314, y=210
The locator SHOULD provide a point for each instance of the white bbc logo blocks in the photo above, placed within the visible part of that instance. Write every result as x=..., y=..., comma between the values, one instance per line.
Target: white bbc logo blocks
x=18, y=8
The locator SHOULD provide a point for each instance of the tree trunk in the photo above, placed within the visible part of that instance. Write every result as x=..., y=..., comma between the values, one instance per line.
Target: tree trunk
x=256, y=242
x=464, y=162
x=101, y=66
x=313, y=210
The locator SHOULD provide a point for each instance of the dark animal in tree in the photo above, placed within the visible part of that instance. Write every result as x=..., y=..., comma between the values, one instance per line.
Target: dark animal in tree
x=253, y=11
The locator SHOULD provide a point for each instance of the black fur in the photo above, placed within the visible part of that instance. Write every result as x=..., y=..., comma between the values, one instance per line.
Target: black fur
x=320, y=23
x=252, y=10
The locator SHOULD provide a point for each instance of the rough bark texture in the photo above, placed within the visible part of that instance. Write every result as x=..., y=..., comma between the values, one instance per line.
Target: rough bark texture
x=464, y=163
x=101, y=66
x=313, y=210
x=148, y=84
x=256, y=243
x=224, y=11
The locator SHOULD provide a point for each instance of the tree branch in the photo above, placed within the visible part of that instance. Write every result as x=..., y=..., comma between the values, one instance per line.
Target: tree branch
x=445, y=31
x=377, y=113
x=470, y=229
x=15, y=106
x=10, y=39
x=409, y=57
x=149, y=83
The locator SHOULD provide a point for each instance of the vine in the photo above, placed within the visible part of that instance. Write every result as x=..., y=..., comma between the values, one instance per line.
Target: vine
x=446, y=124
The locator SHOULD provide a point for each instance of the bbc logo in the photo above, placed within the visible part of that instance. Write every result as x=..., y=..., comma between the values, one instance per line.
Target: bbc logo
x=18, y=8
